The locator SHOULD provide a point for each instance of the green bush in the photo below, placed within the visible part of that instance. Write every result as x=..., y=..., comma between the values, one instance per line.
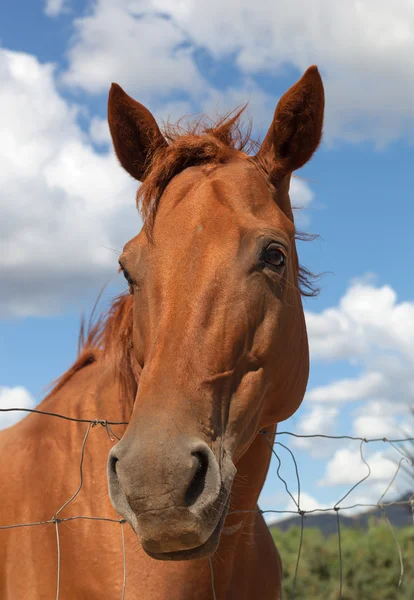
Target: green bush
x=370, y=563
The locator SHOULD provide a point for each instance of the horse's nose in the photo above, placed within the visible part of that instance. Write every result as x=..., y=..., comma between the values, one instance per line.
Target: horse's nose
x=186, y=473
x=160, y=482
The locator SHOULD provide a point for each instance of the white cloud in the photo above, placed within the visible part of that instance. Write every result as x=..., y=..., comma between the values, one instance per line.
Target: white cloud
x=373, y=331
x=365, y=51
x=301, y=197
x=322, y=420
x=347, y=468
x=54, y=8
x=260, y=106
x=307, y=503
x=63, y=205
x=14, y=397
x=160, y=61
x=367, y=318
x=99, y=131
x=347, y=389
x=300, y=193
x=380, y=333
x=142, y=51
x=379, y=418
x=371, y=328
x=387, y=478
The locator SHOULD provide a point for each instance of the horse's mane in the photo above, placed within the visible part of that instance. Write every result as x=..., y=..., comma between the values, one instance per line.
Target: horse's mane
x=108, y=334
x=196, y=143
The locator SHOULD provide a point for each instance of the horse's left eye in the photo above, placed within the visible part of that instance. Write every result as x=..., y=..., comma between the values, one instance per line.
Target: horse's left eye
x=274, y=257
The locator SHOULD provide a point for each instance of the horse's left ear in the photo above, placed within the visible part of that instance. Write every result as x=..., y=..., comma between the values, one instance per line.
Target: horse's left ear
x=296, y=129
x=135, y=133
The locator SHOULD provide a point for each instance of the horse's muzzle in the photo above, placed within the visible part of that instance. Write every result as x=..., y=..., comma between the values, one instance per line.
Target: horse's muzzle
x=174, y=497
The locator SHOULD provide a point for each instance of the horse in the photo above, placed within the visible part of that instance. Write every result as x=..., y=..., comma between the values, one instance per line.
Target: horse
x=194, y=366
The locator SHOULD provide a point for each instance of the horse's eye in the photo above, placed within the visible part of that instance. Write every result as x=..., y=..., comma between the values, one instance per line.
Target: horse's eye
x=127, y=275
x=128, y=278
x=274, y=257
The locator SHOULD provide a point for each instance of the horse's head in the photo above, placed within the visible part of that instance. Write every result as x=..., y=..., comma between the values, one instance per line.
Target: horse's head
x=219, y=330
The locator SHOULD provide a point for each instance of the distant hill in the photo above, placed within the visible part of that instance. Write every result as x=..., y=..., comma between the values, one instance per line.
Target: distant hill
x=399, y=516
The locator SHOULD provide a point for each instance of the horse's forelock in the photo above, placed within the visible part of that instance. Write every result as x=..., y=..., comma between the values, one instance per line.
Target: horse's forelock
x=194, y=143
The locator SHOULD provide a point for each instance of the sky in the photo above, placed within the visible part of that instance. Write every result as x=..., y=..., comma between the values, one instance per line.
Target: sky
x=67, y=208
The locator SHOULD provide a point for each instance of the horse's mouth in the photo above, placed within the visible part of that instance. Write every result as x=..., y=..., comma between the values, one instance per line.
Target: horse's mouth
x=203, y=551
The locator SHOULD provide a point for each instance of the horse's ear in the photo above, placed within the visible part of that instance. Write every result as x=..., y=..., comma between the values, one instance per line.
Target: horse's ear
x=296, y=129
x=135, y=133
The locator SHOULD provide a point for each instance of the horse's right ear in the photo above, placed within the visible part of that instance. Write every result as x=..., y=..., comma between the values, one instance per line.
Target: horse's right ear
x=135, y=133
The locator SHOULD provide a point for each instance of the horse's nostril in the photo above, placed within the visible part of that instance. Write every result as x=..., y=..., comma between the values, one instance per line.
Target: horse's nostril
x=196, y=487
x=112, y=465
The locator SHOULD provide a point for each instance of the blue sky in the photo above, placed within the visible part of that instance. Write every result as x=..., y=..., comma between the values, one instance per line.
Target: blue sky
x=63, y=221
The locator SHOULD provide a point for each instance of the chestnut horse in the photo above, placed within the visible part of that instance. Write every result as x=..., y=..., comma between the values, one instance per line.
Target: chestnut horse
x=207, y=350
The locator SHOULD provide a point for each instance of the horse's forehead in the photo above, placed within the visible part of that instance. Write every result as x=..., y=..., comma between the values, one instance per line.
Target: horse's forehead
x=212, y=201
x=235, y=177
x=230, y=191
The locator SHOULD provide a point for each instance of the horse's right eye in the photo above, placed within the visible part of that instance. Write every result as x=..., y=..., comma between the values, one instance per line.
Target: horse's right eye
x=127, y=276
x=129, y=279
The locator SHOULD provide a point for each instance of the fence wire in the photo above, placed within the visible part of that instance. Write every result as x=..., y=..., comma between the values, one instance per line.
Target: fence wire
x=92, y=423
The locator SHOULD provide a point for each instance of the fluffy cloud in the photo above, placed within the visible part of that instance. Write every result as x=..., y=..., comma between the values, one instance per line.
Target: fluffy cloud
x=387, y=419
x=347, y=467
x=54, y=8
x=16, y=397
x=346, y=474
x=372, y=330
x=385, y=479
x=161, y=62
x=307, y=503
x=369, y=327
x=260, y=106
x=63, y=205
x=99, y=132
x=365, y=52
x=368, y=318
x=140, y=49
x=301, y=197
x=321, y=420
x=348, y=389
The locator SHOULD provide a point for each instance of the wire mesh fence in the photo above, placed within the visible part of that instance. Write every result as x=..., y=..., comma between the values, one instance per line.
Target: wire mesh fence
x=338, y=508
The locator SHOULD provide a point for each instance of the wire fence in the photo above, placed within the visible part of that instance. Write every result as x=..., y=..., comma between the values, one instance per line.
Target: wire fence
x=395, y=444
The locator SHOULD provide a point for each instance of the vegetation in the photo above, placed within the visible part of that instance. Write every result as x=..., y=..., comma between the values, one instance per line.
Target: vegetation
x=370, y=563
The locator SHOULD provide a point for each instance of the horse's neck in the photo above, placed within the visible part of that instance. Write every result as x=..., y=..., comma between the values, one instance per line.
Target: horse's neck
x=244, y=531
x=251, y=474
x=91, y=393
